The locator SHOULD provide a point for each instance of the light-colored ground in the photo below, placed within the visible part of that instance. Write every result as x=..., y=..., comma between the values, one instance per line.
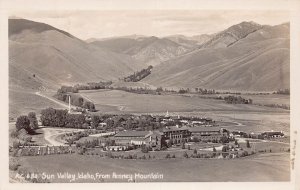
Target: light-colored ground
x=51, y=135
x=63, y=104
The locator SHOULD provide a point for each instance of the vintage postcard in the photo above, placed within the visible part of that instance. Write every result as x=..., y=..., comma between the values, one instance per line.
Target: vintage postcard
x=156, y=94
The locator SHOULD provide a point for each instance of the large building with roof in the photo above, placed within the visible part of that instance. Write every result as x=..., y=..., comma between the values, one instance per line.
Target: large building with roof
x=176, y=133
x=206, y=133
x=149, y=138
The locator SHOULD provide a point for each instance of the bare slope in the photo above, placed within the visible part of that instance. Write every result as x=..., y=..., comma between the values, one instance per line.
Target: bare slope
x=148, y=50
x=258, y=62
x=41, y=55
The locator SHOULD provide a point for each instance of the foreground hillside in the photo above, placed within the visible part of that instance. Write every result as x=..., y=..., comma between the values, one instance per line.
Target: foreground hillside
x=258, y=61
x=43, y=56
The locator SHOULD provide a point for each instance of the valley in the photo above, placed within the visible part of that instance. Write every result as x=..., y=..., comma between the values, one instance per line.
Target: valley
x=199, y=108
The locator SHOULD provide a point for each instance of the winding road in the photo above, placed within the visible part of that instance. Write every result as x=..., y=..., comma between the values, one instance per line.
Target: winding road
x=52, y=135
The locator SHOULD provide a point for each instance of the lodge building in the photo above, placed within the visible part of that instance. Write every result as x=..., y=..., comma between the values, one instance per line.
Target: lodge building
x=206, y=133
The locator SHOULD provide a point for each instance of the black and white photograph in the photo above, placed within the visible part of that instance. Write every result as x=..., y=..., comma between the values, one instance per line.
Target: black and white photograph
x=149, y=96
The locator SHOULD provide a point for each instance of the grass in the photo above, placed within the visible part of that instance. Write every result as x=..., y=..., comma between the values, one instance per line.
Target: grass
x=23, y=102
x=120, y=101
x=248, y=118
x=263, y=167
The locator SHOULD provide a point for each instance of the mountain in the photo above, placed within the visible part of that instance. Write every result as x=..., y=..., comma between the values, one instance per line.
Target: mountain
x=147, y=50
x=246, y=57
x=190, y=41
x=232, y=35
x=43, y=56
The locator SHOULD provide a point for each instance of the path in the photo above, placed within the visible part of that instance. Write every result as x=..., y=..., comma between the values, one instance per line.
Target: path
x=51, y=135
x=53, y=100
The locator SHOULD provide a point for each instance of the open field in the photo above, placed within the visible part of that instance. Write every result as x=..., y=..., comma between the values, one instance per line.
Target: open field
x=248, y=118
x=257, y=99
x=143, y=103
x=263, y=167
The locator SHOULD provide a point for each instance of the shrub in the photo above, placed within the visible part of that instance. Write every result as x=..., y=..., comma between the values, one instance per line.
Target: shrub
x=16, y=144
x=14, y=134
x=14, y=166
x=248, y=144
x=185, y=155
x=195, y=151
x=168, y=156
x=183, y=146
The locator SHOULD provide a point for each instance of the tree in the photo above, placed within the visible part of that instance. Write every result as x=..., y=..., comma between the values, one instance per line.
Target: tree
x=33, y=120
x=95, y=120
x=195, y=151
x=185, y=155
x=214, y=149
x=144, y=148
x=23, y=123
x=248, y=144
x=183, y=146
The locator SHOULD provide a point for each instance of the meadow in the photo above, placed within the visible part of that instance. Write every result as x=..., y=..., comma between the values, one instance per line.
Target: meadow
x=121, y=101
x=266, y=167
x=248, y=118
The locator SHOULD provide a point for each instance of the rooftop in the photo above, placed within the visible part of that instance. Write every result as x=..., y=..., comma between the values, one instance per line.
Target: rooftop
x=204, y=129
x=132, y=134
x=175, y=128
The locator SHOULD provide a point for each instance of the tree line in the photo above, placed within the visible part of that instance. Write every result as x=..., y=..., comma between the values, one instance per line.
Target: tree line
x=64, y=93
x=137, y=76
x=283, y=91
x=237, y=100
x=61, y=118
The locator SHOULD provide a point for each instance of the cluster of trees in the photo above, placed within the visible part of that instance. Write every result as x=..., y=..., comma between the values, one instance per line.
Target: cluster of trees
x=283, y=91
x=88, y=86
x=137, y=76
x=237, y=100
x=66, y=89
x=93, y=85
x=205, y=91
x=139, y=90
x=28, y=122
x=61, y=118
x=75, y=99
x=127, y=122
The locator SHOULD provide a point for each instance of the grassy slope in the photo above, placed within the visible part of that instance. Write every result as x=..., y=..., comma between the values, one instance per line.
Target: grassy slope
x=259, y=62
x=23, y=102
x=56, y=58
x=268, y=167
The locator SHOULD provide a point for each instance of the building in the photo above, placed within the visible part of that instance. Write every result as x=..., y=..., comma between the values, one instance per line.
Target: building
x=151, y=139
x=206, y=133
x=176, y=133
x=273, y=134
x=131, y=137
x=154, y=139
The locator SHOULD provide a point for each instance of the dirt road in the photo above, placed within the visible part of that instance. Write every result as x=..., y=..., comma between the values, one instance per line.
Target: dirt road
x=52, y=135
x=54, y=100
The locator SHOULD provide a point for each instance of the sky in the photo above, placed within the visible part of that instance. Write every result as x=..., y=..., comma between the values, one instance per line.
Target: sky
x=104, y=24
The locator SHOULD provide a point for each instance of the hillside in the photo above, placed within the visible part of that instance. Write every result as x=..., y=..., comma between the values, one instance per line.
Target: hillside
x=43, y=56
x=252, y=60
x=146, y=50
x=232, y=35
